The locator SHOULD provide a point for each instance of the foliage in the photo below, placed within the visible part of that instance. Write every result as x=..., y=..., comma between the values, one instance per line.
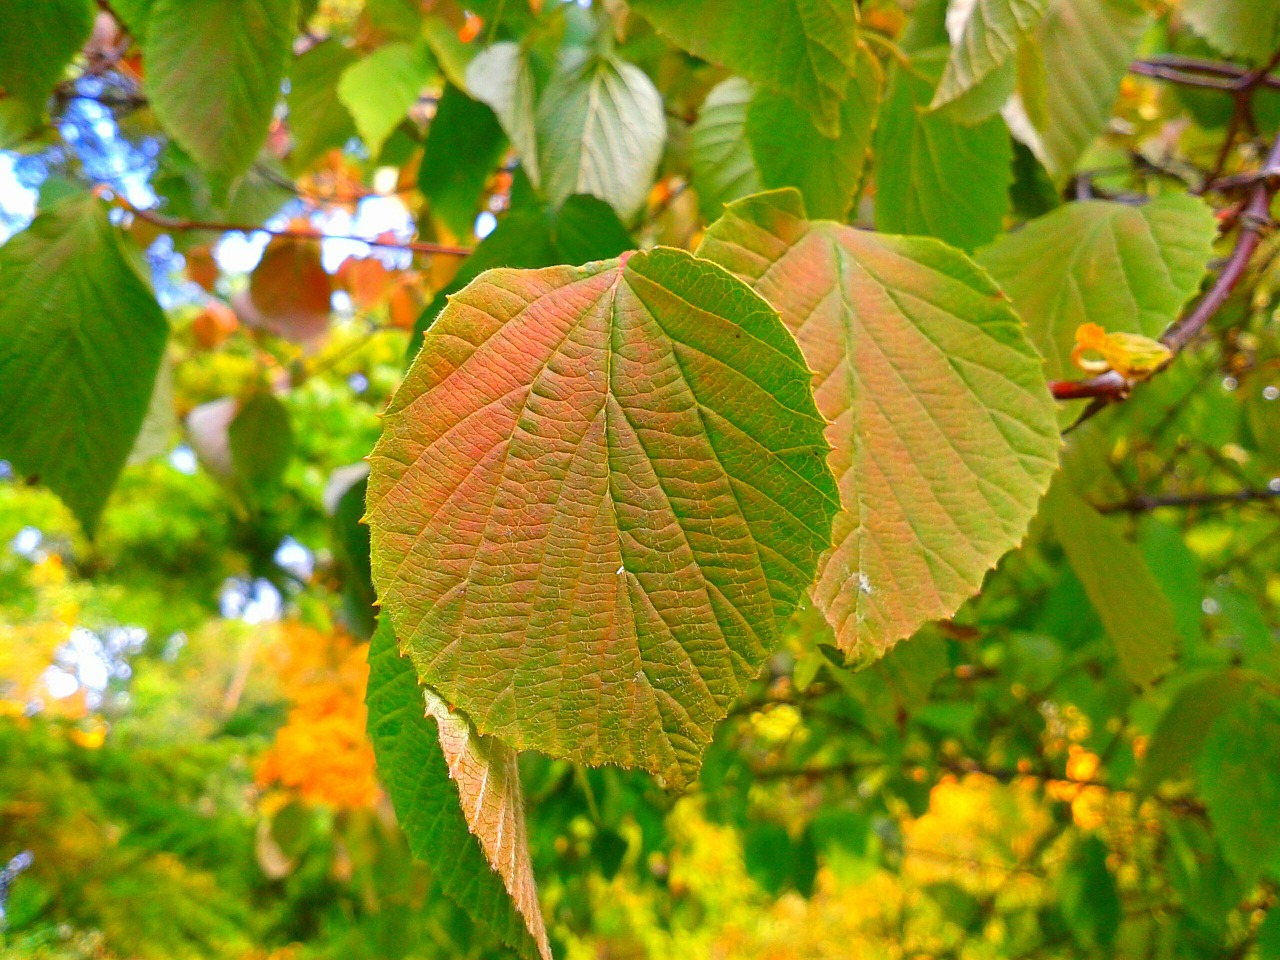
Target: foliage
x=820, y=494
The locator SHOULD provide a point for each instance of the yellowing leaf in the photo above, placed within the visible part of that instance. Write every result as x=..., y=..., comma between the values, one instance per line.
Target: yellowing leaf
x=941, y=420
x=1131, y=355
x=598, y=493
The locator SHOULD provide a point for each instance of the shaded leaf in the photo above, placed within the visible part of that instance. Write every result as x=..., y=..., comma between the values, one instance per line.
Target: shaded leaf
x=1180, y=736
x=1125, y=268
x=989, y=38
x=81, y=342
x=1238, y=769
x=464, y=145
x=723, y=168
x=37, y=41
x=380, y=88
x=598, y=493
x=458, y=799
x=260, y=439
x=940, y=418
x=936, y=176
x=1090, y=900
x=601, y=129
x=318, y=119
x=214, y=70
x=1135, y=612
x=790, y=151
x=810, y=53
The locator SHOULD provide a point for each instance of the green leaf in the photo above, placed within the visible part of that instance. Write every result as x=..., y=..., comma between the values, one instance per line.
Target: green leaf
x=941, y=421
x=380, y=89
x=582, y=230
x=1136, y=614
x=133, y=14
x=601, y=129
x=1085, y=48
x=723, y=168
x=261, y=442
x=81, y=340
x=458, y=800
x=1268, y=942
x=805, y=49
x=502, y=77
x=214, y=71
x=37, y=41
x=1180, y=736
x=1239, y=779
x=1239, y=28
x=317, y=118
x=936, y=176
x=464, y=145
x=598, y=494
x=1089, y=898
x=397, y=19
x=344, y=501
x=1122, y=267
x=989, y=39
x=790, y=151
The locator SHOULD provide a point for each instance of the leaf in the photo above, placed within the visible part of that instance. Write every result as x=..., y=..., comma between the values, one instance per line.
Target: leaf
x=723, y=168
x=598, y=493
x=1238, y=778
x=464, y=145
x=81, y=341
x=989, y=39
x=41, y=40
x=584, y=229
x=805, y=49
x=261, y=442
x=1085, y=49
x=440, y=774
x=344, y=501
x=208, y=430
x=289, y=292
x=1184, y=727
x=601, y=129
x=502, y=78
x=942, y=425
x=790, y=151
x=317, y=118
x=214, y=71
x=936, y=176
x=380, y=89
x=1127, y=269
x=1136, y=614
x=1239, y=28
x=1090, y=900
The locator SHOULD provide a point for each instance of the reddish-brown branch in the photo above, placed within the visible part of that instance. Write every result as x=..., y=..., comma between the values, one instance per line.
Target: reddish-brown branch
x=209, y=226
x=1189, y=500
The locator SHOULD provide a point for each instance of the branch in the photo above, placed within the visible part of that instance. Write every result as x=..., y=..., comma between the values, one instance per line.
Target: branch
x=1147, y=504
x=209, y=226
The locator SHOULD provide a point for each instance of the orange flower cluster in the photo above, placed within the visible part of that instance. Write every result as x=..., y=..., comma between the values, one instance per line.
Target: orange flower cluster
x=322, y=754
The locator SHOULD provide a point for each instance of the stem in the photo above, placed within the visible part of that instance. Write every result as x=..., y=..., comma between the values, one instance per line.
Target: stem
x=1147, y=504
x=209, y=226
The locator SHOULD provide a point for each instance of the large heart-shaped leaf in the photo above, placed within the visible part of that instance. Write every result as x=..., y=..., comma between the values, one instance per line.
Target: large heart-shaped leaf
x=214, y=70
x=987, y=39
x=458, y=799
x=1125, y=268
x=598, y=492
x=723, y=168
x=81, y=340
x=805, y=49
x=36, y=42
x=942, y=424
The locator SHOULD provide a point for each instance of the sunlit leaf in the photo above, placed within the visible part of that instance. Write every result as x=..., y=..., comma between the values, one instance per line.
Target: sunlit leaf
x=991, y=34
x=458, y=799
x=937, y=176
x=37, y=40
x=806, y=49
x=601, y=130
x=318, y=119
x=790, y=151
x=502, y=78
x=1239, y=28
x=81, y=341
x=1125, y=268
x=940, y=418
x=597, y=494
x=214, y=70
x=379, y=89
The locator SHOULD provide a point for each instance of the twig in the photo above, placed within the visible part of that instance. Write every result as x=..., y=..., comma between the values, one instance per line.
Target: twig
x=1148, y=503
x=209, y=226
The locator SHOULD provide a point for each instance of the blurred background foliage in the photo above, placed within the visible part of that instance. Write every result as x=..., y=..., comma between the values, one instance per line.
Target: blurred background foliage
x=182, y=743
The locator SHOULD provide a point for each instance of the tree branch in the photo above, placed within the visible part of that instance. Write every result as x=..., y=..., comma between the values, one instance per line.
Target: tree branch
x=1149, y=503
